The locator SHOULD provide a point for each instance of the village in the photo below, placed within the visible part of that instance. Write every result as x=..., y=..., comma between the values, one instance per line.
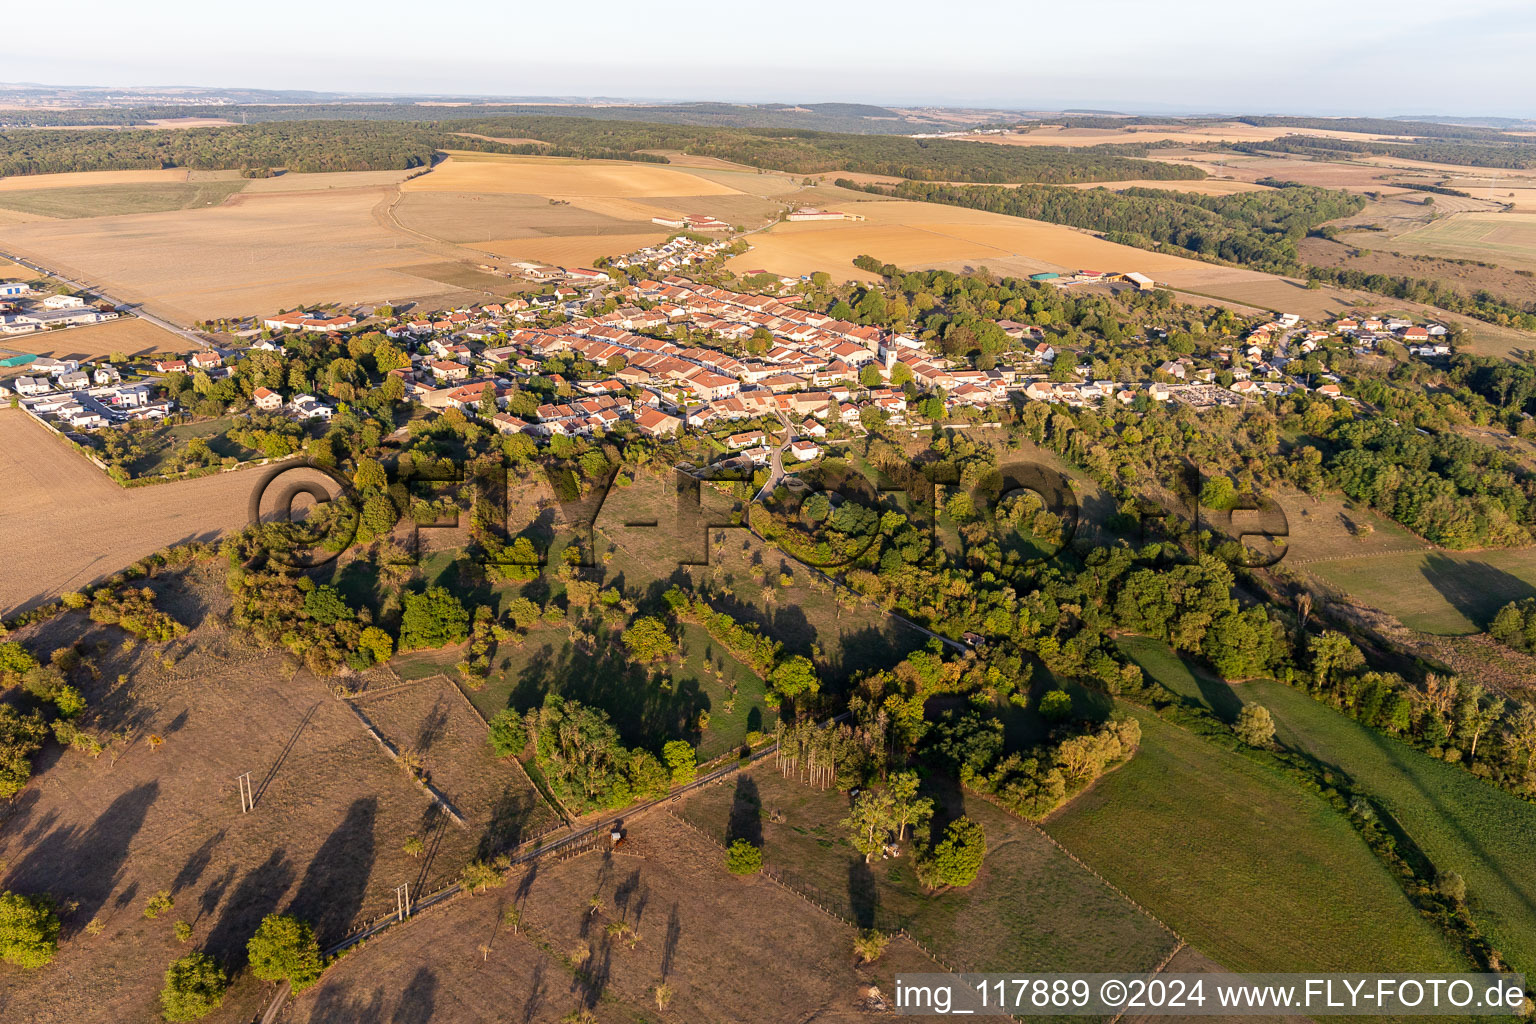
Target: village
x=799, y=369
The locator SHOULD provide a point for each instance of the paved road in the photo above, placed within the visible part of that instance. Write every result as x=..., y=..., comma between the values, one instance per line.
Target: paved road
x=776, y=464
x=137, y=311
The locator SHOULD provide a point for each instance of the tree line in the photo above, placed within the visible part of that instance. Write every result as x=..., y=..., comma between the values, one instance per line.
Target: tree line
x=812, y=152
x=1481, y=304
x=302, y=146
x=358, y=145
x=1510, y=153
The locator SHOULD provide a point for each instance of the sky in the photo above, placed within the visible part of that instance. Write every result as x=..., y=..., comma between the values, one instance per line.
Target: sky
x=1366, y=57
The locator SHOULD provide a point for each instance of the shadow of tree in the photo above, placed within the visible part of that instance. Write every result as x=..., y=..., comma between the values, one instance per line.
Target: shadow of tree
x=746, y=820
x=669, y=941
x=85, y=864
x=1475, y=589
x=257, y=895
x=331, y=893
x=418, y=1000
x=863, y=892
x=645, y=709
x=334, y=1005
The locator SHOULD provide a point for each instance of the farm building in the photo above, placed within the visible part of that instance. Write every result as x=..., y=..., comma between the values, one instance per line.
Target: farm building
x=13, y=288
x=806, y=213
x=309, y=322
x=54, y=317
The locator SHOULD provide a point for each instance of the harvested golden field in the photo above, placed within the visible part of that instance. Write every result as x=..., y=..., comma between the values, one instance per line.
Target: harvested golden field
x=55, y=501
x=924, y=234
x=1520, y=197
x=570, y=250
x=78, y=179
x=1205, y=187
x=254, y=254
x=751, y=181
x=1283, y=295
x=1354, y=177
x=1485, y=174
x=129, y=335
x=504, y=140
x=292, y=182
x=11, y=217
x=118, y=200
x=476, y=216
x=1051, y=135
x=565, y=211
x=559, y=177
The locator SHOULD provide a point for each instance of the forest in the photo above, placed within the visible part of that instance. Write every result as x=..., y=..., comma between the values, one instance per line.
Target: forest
x=1462, y=152
x=1257, y=229
x=298, y=146
x=857, y=118
x=350, y=145
x=808, y=152
x=1376, y=126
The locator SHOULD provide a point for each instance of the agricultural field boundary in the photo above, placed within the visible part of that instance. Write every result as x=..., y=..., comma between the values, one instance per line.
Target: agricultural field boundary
x=773, y=876
x=550, y=799
x=389, y=748
x=1382, y=553
x=526, y=853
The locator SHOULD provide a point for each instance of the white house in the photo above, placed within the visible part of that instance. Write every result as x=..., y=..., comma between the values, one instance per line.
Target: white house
x=32, y=385
x=308, y=407
x=54, y=367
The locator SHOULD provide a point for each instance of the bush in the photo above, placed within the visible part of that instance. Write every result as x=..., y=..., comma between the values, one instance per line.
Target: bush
x=377, y=644
x=479, y=876
x=1254, y=726
x=508, y=737
x=1452, y=886
x=194, y=987
x=1056, y=706
x=29, y=930
x=648, y=639
x=955, y=859
x=434, y=618
x=682, y=759
x=284, y=948
x=870, y=944
x=158, y=904
x=743, y=858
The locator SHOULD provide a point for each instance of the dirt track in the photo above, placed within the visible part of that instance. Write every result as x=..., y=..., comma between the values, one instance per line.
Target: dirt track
x=63, y=524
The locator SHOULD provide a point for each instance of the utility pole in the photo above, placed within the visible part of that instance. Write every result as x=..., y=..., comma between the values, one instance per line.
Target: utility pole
x=247, y=794
x=402, y=902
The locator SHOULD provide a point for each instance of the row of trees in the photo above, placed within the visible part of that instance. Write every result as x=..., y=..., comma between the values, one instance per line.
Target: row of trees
x=358, y=145
x=1257, y=229
x=1483, y=152
x=1481, y=304
x=811, y=152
